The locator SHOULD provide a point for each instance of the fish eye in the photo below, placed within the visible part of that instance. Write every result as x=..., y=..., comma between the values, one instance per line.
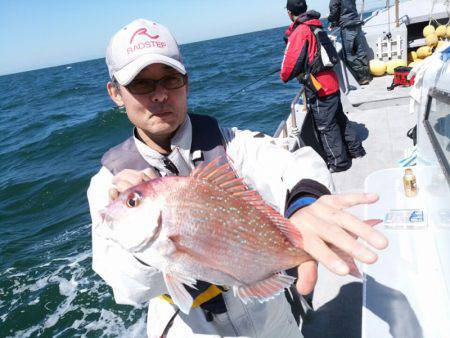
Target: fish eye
x=133, y=200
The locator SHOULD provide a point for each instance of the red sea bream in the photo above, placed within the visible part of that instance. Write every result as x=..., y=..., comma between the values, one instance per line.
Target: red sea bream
x=209, y=227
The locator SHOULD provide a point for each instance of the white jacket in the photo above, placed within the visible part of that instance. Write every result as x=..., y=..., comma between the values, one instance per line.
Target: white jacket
x=266, y=167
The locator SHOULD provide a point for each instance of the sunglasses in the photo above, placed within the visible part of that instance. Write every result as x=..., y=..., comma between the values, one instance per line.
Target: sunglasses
x=147, y=86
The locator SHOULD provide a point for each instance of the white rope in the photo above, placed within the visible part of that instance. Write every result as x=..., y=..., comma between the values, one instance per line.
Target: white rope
x=447, y=9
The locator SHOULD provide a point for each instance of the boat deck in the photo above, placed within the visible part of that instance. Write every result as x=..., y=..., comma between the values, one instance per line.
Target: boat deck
x=338, y=300
x=375, y=94
x=383, y=131
x=382, y=119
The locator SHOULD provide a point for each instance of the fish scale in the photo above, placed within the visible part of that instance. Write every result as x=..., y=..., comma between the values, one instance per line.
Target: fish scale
x=252, y=229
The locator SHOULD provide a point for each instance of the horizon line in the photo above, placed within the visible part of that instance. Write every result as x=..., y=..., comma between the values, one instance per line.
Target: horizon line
x=97, y=58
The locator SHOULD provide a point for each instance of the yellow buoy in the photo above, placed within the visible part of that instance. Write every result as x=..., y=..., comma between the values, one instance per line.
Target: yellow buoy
x=431, y=40
x=414, y=63
x=424, y=51
x=448, y=32
x=392, y=64
x=377, y=67
x=441, y=31
x=413, y=55
x=428, y=30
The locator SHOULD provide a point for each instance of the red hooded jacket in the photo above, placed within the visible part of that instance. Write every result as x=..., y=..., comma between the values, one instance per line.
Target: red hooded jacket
x=300, y=50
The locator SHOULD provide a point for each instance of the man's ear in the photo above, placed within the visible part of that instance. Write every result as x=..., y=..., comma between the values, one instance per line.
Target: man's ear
x=291, y=16
x=114, y=93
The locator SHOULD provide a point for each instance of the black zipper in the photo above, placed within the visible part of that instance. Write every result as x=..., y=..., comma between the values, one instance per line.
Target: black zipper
x=170, y=166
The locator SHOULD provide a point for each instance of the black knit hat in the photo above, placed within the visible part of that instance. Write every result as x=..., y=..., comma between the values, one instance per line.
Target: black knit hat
x=296, y=7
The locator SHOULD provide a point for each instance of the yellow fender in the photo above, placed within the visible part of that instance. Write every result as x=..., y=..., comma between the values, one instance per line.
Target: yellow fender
x=441, y=31
x=427, y=30
x=392, y=64
x=432, y=40
x=377, y=67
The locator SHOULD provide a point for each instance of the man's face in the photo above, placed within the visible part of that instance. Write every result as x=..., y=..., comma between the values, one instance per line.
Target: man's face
x=158, y=113
x=290, y=15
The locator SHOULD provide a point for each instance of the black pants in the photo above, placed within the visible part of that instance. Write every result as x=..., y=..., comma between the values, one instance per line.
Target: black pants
x=354, y=52
x=338, y=137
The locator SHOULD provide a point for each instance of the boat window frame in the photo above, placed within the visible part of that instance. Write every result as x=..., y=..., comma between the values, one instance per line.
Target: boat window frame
x=444, y=96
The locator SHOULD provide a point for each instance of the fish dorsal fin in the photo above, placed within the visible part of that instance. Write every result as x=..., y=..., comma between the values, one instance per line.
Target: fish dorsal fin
x=284, y=225
x=264, y=290
x=224, y=177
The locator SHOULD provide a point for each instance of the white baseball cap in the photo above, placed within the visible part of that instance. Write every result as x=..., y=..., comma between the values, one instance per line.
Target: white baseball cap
x=138, y=45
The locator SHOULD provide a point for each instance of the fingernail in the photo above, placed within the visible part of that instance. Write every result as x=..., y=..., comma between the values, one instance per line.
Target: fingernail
x=364, y=255
x=379, y=242
x=370, y=257
x=340, y=268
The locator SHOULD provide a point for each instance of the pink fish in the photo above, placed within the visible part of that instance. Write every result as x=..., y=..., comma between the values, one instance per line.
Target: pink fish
x=209, y=227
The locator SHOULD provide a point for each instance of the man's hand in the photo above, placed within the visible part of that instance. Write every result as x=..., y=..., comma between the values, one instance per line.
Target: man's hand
x=330, y=236
x=128, y=178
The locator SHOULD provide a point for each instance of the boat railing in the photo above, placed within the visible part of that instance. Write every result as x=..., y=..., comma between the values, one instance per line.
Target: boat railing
x=282, y=130
x=377, y=6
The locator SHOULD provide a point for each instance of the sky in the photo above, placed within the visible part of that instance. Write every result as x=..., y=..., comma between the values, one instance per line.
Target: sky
x=42, y=33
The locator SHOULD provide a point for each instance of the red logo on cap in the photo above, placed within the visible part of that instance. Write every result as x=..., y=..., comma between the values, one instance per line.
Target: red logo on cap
x=142, y=44
x=143, y=31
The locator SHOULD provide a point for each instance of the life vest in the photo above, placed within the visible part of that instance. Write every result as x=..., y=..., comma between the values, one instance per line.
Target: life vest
x=206, y=138
x=212, y=291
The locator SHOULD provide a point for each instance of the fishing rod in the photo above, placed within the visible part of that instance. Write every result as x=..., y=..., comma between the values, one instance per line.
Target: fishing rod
x=252, y=83
x=335, y=30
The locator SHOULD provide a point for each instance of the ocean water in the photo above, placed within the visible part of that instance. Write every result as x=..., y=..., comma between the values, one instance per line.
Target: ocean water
x=55, y=124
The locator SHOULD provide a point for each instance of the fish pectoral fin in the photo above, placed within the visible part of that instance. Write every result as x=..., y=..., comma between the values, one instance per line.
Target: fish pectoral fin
x=180, y=296
x=165, y=246
x=265, y=289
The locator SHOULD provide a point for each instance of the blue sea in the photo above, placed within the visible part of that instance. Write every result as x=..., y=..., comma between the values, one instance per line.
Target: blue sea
x=55, y=124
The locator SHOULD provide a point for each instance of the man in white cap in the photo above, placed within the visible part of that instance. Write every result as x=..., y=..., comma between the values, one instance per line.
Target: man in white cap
x=150, y=81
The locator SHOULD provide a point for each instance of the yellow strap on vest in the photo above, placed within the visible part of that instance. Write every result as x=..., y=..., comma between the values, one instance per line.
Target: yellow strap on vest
x=206, y=295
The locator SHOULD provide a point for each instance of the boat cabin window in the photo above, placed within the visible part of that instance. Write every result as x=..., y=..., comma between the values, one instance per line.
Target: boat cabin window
x=437, y=124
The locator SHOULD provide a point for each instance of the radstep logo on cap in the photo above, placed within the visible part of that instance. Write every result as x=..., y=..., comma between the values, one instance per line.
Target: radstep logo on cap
x=145, y=33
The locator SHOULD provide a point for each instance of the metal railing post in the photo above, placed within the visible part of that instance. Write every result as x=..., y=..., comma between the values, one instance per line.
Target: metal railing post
x=397, y=20
x=388, y=5
x=293, y=103
x=282, y=130
x=362, y=10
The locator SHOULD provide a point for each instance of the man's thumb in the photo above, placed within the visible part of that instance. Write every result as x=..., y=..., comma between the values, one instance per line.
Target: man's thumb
x=150, y=173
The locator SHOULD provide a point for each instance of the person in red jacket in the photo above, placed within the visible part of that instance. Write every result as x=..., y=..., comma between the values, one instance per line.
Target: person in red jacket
x=339, y=139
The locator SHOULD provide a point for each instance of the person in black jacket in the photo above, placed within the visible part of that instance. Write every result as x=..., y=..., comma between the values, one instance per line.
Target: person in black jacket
x=339, y=139
x=343, y=14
